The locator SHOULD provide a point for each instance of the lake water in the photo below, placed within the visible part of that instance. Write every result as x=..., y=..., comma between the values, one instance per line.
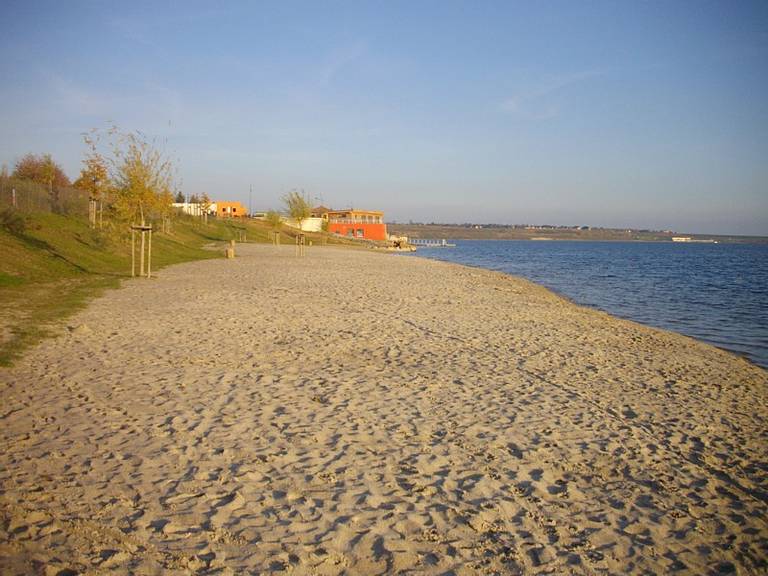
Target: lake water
x=717, y=293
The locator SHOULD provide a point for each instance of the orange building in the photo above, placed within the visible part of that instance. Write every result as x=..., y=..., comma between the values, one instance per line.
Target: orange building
x=368, y=224
x=230, y=210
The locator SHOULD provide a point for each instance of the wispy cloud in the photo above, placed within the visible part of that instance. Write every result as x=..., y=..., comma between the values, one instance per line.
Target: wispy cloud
x=76, y=98
x=338, y=60
x=148, y=30
x=150, y=107
x=541, y=102
x=132, y=30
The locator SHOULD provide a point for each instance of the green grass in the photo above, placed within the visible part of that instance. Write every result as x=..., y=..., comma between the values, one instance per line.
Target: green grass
x=6, y=280
x=56, y=264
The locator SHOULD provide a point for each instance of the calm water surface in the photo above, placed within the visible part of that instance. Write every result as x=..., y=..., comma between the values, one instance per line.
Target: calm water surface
x=714, y=292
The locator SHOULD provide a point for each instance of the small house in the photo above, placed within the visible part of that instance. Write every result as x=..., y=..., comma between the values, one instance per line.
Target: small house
x=230, y=210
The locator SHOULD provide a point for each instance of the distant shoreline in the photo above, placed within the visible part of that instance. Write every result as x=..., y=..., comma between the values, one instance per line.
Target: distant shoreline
x=493, y=232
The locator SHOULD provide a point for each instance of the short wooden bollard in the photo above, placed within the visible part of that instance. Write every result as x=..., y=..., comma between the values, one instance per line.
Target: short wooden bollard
x=230, y=252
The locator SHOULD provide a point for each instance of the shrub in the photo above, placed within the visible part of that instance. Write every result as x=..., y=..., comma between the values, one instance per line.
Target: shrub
x=12, y=221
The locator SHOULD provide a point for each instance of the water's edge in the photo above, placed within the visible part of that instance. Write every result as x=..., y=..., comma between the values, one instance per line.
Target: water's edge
x=703, y=307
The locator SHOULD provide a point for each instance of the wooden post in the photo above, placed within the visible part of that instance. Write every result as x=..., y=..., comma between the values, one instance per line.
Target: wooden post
x=143, y=229
x=141, y=256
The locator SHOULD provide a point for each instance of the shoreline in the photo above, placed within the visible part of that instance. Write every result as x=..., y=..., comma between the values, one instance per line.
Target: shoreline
x=731, y=346
x=569, y=300
x=349, y=413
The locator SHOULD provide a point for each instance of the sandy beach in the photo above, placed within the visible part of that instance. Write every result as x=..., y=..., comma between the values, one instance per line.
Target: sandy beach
x=353, y=412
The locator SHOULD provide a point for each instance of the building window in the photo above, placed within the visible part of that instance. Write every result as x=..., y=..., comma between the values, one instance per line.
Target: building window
x=360, y=233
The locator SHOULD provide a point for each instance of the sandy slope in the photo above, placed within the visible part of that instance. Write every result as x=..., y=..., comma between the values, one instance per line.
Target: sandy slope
x=363, y=413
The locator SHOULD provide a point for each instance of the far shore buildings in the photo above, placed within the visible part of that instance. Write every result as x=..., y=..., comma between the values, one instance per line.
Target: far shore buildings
x=367, y=224
x=220, y=209
x=353, y=223
x=194, y=208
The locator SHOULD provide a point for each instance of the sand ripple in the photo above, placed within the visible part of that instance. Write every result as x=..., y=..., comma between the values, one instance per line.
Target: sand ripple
x=358, y=413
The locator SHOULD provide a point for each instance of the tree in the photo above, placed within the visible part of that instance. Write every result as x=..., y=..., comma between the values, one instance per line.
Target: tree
x=194, y=199
x=165, y=208
x=94, y=179
x=298, y=205
x=43, y=170
x=179, y=199
x=205, y=206
x=274, y=219
x=142, y=176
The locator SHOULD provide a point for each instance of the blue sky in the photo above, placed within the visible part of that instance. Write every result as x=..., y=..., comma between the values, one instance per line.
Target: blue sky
x=626, y=114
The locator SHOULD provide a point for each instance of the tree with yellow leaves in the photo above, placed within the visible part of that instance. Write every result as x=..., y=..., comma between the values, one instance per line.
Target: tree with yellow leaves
x=94, y=179
x=138, y=175
x=165, y=208
x=142, y=175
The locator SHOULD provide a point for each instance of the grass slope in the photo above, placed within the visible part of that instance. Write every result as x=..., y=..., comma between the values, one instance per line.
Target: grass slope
x=57, y=264
x=53, y=265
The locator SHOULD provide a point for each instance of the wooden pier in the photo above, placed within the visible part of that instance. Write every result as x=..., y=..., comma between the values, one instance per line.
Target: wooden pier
x=430, y=243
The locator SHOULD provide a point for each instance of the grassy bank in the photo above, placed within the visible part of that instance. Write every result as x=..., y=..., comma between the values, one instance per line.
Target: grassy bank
x=52, y=265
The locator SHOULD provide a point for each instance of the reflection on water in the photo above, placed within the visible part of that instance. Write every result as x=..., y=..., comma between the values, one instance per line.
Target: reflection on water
x=714, y=292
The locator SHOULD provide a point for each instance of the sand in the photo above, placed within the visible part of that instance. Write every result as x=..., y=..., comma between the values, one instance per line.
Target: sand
x=360, y=413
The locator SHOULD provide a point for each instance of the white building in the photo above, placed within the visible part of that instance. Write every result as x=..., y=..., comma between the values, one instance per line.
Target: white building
x=194, y=208
x=307, y=225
